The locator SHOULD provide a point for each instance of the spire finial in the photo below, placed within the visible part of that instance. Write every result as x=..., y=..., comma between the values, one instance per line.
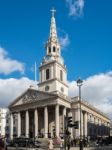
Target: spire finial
x=53, y=32
x=53, y=11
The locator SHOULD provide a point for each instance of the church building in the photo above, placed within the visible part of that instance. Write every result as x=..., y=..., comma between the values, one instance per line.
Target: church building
x=41, y=112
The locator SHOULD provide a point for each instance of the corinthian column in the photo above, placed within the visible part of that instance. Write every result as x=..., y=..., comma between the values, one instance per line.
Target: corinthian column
x=85, y=124
x=19, y=124
x=57, y=119
x=64, y=114
x=27, y=123
x=36, y=122
x=11, y=126
x=78, y=118
x=46, y=122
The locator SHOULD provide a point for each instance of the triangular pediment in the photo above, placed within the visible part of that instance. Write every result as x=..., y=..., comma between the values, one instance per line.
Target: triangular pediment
x=30, y=96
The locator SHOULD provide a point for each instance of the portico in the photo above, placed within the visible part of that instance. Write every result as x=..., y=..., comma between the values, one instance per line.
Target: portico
x=37, y=120
x=47, y=119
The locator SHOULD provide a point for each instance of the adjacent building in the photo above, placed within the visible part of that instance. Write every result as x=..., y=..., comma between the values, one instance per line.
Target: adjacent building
x=111, y=130
x=41, y=112
x=3, y=112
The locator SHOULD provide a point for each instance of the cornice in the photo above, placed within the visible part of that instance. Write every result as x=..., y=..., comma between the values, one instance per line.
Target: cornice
x=28, y=90
x=85, y=103
x=52, y=62
x=34, y=104
x=50, y=80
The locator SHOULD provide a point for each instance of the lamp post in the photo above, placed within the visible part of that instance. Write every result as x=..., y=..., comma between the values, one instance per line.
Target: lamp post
x=79, y=84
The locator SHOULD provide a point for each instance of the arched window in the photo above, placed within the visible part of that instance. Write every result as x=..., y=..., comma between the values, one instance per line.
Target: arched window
x=61, y=75
x=54, y=48
x=47, y=74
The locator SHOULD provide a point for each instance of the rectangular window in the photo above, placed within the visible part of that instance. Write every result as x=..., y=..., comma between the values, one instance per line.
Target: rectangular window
x=49, y=49
x=47, y=74
x=61, y=75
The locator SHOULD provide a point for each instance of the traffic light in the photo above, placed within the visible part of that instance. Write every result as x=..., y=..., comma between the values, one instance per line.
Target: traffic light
x=76, y=124
x=69, y=122
x=67, y=132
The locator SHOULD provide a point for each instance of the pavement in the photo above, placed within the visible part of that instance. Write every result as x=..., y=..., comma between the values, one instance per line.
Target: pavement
x=72, y=148
x=89, y=148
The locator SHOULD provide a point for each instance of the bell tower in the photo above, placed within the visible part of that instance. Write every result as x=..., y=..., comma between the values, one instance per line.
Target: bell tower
x=53, y=73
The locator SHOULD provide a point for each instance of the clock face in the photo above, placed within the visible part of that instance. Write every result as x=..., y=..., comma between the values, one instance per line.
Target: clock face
x=47, y=88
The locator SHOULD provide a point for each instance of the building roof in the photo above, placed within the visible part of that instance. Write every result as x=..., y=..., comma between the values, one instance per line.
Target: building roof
x=34, y=95
x=87, y=104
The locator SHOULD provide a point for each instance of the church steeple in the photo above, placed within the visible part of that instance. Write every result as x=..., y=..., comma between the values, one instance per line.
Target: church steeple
x=53, y=74
x=53, y=32
x=53, y=45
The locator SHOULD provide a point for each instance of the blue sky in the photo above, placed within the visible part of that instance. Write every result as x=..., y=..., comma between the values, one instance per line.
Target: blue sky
x=24, y=29
x=85, y=30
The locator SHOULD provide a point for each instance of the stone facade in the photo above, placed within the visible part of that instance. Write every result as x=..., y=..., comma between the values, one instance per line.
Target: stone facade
x=3, y=119
x=41, y=112
x=53, y=73
x=94, y=122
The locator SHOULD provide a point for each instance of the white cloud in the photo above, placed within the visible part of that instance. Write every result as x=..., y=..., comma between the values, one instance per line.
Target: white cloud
x=97, y=90
x=11, y=88
x=64, y=39
x=7, y=65
x=75, y=7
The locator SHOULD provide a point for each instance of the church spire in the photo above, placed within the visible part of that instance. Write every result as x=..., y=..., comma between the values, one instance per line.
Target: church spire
x=53, y=32
x=53, y=45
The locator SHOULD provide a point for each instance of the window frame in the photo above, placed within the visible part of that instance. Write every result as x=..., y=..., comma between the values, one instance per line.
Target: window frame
x=54, y=49
x=61, y=75
x=49, y=49
x=47, y=74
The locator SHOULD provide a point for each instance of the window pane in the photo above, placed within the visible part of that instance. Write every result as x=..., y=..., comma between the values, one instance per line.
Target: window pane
x=54, y=49
x=49, y=49
x=47, y=74
x=61, y=75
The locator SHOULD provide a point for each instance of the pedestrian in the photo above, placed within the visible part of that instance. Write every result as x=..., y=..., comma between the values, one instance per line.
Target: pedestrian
x=74, y=141
x=84, y=142
x=50, y=144
x=71, y=143
x=68, y=142
x=1, y=143
x=61, y=146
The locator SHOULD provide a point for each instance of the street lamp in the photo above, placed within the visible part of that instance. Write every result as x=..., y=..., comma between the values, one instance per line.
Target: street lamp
x=79, y=84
